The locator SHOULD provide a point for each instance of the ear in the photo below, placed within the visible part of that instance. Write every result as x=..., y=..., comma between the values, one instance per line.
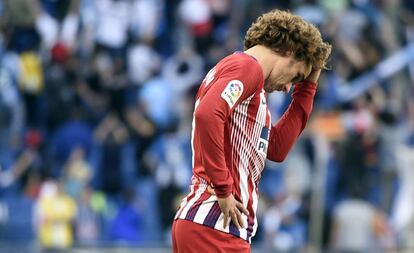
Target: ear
x=308, y=70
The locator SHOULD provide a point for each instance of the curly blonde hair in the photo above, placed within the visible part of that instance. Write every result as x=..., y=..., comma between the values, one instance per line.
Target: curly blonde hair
x=285, y=33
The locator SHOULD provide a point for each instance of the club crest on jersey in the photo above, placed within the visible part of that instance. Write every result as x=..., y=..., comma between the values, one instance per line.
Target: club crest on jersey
x=232, y=92
x=263, y=141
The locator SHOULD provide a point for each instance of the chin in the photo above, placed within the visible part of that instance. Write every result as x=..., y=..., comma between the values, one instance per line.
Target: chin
x=272, y=89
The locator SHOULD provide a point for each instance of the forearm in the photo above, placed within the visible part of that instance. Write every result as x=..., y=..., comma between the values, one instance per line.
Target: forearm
x=284, y=134
x=210, y=125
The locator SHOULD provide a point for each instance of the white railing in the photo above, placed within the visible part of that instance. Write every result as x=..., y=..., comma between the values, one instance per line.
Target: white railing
x=385, y=69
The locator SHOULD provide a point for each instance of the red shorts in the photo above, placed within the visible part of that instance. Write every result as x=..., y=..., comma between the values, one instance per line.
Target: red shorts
x=191, y=237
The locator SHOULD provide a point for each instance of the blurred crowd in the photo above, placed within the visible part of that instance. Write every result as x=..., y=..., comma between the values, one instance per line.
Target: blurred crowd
x=96, y=100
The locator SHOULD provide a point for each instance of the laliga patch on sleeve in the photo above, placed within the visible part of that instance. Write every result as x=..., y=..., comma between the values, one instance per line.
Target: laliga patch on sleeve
x=232, y=92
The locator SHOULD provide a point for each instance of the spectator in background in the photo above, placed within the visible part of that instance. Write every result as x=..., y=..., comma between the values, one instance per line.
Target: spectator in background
x=196, y=16
x=111, y=134
x=127, y=224
x=111, y=20
x=403, y=208
x=27, y=22
x=61, y=76
x=183, y=70
x=58, y=23
x=162, y=113
x=90, y=89
x=90, y=213
x=390, y=135
x=142, y=62
x=359, y=155
x=148, y=119
x=284, y=230
x=22, y=163
x=31, y=84
x=11, y=114
x=168, y=159
x=73, y=134
x=38, y=169
x=20, y=18
x=146, y=19
x=112, y=81
x=77, y=173
x=143, y=132
x=358, y=227
x=54, y=214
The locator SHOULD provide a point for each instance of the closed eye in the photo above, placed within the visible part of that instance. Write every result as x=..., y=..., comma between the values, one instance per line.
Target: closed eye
x=298, y=78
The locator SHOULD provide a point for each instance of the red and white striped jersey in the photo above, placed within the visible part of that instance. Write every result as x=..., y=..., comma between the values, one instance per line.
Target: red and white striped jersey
x=232, y=137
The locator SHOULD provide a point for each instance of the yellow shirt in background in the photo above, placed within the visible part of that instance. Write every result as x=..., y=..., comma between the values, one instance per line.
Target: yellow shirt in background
x=57, y=213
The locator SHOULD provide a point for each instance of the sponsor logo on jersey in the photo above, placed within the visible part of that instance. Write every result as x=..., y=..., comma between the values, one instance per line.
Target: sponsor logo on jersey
x=232, y=92
x=263, y=140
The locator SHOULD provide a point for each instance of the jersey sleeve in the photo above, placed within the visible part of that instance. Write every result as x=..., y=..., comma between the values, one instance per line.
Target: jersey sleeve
x=234, y=82
x=284, y=134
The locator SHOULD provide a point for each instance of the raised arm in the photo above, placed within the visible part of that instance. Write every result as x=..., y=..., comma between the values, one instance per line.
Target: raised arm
x=287, y=130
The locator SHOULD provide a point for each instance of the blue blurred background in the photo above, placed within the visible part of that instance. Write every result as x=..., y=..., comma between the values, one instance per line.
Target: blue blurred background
x=96, y=100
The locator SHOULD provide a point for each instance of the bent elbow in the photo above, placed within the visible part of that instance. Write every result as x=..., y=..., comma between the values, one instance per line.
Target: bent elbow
x=280, y=157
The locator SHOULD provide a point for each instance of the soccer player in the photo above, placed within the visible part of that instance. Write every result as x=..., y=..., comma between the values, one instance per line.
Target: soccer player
x=233, y=135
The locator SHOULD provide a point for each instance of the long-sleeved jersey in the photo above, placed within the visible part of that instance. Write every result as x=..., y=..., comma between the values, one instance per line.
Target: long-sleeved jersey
x=232, y=137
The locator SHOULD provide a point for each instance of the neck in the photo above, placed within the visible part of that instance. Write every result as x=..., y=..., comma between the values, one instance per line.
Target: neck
x=265, y=57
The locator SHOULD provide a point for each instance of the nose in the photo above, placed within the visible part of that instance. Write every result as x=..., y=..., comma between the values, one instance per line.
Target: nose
x=286, y=87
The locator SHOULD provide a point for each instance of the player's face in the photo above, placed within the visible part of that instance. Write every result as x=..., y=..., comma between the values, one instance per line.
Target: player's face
x=286, y=72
